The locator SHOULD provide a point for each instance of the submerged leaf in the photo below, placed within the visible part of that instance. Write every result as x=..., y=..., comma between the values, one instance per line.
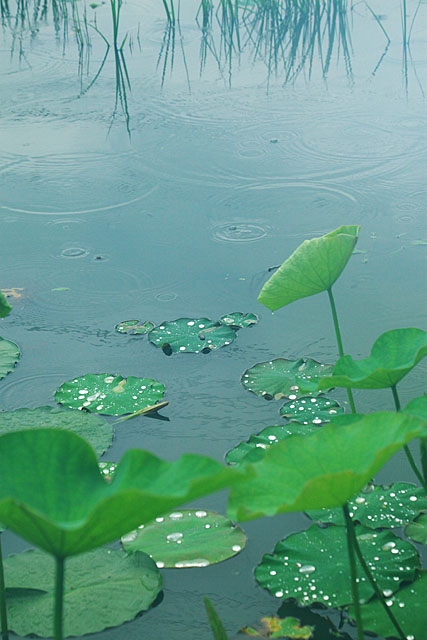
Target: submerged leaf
x=9, y=356
x=311, y=410
x=216, y=625
x=103, y=588
x=283, y=378
x=188, y=538
x=134, y=327
x=393, y=355
x=5, y=307
x=111, y=395
x=313, y=566
x=191, y=335
x=280, y=628
x=313, y=267
x=239, y=320
x=323, y=469
x=417, y=530
x=98, y=432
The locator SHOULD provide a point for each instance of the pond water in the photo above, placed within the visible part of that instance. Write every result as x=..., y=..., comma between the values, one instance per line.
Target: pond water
x=166, y=182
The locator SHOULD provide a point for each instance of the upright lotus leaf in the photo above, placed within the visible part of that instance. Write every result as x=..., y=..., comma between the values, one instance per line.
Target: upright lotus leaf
x=417, y=407
x=135, y=327
x=313, y=566
x=273, y=627
x=98, y=432
x=311, y=410
x=187, y=538
x=111, y=395
x=53, y=494
x=5, y=307
x=9, y=356
x=323, y=469
x=379, y=507
x=239, y=320
x=393, y=355
x=282, y=378
x=263, y=441
x=191, y=335
x=313, y=267
x=104, y=588
x=417, y=530
x=408, y=606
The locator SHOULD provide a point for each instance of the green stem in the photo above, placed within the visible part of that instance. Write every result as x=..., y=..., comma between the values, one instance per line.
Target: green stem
x=351, y=538
x=423, y=454
x=59, y=600
x=417, y=472
x=3, y=611
x=339, y=343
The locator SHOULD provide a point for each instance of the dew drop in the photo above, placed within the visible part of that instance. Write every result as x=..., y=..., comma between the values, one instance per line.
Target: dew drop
x=279, y=594
x=236, y=548
x=160, y=564
x=174, y=537
x=307, y=568
x=176, y=515
x=197, y=562
x=201, y=514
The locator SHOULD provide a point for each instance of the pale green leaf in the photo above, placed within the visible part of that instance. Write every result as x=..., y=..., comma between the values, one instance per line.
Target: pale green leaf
x=9, y=356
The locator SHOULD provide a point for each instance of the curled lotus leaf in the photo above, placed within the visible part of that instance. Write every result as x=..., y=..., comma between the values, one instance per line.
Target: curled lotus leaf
x=273, y=627
x=313, y=566
x=9, y=356
x=309, y=410
x=417, y=530
x=134, y=327
x=239, y=320
x=187, y=538
x=104, y=588
x=393, y=355
x=313, y=267
x=379, y=507
x=282, y=378
x=98, y=432
x=191, y=335
x=111, y=395
x=417, y=407
x=253, y=450
x=5, y=307
x=53, y=494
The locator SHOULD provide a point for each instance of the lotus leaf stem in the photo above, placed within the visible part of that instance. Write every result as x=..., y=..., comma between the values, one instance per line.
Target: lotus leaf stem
x=3, y=611
x=351, y=545
x=59, y=599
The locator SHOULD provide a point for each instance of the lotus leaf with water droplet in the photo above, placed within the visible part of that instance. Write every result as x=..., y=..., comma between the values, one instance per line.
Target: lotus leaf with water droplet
x=253, y=450
x=279, y=628
x=53, y=494
x=9, y=356
x=312, y=268
x=134, y=327
x=309, y=410
x=313, y=566
x=104, y=588
x=5, y=307
x=379, y=507
x=191, y=335
x=393, y=355
x=282, y=378
x=325, y=468
x=109, y=394
x=417, y=530
x=239, y=320
x=187, y=538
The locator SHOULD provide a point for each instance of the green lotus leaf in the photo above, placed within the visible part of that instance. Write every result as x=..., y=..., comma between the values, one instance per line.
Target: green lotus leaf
x=283, y=378
x=53, y=494
x=323, y=469
x=313, y=566
x=258, y=444
x=379, y=507
x=98, y=432
x=187, y=538
x=309, y=410
x=111, y=395
x=191, y=335
x=313, y=267
x=417, y=530
x=9, y=356
x=5, y=307
x=393, y=355
x=103, y=588
x=239, y=320
x=408, y=606
x=107, y=468
x=134, y=327
x=417, y=407
x=273, y=627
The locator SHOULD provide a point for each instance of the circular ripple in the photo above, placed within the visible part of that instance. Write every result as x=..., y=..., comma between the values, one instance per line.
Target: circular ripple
x=239, y=232
x=29, y=391
x=74, y=252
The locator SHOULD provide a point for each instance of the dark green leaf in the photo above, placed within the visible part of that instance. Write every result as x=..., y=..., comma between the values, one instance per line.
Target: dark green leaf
x=5, y=307
x=417, y=530
x=191, y=335
x=308, y=410
x=9, y=356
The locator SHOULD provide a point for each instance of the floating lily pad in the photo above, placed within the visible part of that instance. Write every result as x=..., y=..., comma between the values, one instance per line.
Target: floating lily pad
x=239, y=320
x=313, y=267
x=313, y=566
x=379, y=507
x=259, y=443
x=283, y=378
x=417, y=530
x=188, y=538
x=9, y=356
x=5, y=307
x=103, y=588
x=107, y=468
x=191, y=335
x=134, y=327
x=98, y=432
x=393, y=355
x=408, y=606
x=310, y=410
x=111, y=395
x=279, y=628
